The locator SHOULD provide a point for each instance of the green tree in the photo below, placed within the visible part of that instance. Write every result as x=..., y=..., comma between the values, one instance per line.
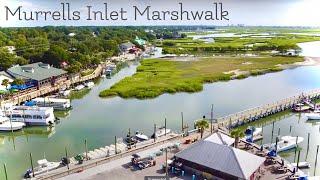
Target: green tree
x=5, y=83
x=18, y=82
x=237, y=134
x=6, y=59
x=202, y=125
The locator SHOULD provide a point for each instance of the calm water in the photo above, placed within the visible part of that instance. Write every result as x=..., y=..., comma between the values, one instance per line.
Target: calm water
x=99, y=120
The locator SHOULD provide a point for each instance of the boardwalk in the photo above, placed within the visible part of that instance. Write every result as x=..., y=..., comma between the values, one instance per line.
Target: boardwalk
x=256, y=113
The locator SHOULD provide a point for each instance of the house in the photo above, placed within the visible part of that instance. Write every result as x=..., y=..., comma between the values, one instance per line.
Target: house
x=125, y=47
x=219, y=160
x=38, y=74
x=3, y=76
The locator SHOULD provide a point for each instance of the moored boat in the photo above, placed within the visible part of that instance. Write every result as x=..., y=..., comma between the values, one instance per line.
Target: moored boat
x=89, y=84
x=34, y=115
x=79, y=87
x=314, y=116
x=56, y=103
x=6, y=125
x=301, y=165
x=43, y=167
x=161, y=132
x=286, y=143
x=141, y=137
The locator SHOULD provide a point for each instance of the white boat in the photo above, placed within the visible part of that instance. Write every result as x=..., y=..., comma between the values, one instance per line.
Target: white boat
x=161, y=132
x=286, y=143
x=89, y=84
x=79, y=87
x=6, y=125
x=141, y=137
x=301, y=165
x=314, y=116
x=57, y=104
x=31, y=115
x=256, y=131
x=65, y=93
x=43, y=167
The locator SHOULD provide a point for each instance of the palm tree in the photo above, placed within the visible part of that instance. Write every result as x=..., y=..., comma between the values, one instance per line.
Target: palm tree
x=236, y=134
x=18, y=82
x=5, y=83
x=202, y=125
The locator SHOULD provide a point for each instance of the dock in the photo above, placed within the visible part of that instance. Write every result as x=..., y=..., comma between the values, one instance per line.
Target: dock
x=256, y=113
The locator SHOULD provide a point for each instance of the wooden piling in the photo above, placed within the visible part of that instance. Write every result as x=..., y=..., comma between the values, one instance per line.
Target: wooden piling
x=165, y=126
x=86, y=148
x=154, y=132
x=5, y=171
x=115, y=144
x=182, y=125
x=315, y=164
x=67, y=159
x=298, y=160
x=272, y=132
x=279, y=132
x=308, y=146
x=211, y=119
x=166, y=162
x=31, y=162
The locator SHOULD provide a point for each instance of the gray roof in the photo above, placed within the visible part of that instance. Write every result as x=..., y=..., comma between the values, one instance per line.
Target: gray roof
x=3, y=73
x=226, y=159
x=220, y=138
x=36, y=71
x=127, y=45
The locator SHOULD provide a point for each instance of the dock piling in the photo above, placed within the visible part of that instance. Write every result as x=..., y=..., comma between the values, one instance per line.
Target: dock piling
x=182, y=125
x=86, y=148
x=272, y=132
x=115, y=144
x=315, y=164
x=308, y=146
x=298, y=160
x=31, y=162
x=66, y=151
x=154, y=132
x=165, y=126
x=5, y=171
x=211, y=119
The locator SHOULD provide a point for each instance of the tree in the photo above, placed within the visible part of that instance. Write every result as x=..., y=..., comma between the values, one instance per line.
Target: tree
x=5, y=83
x=236, y=134
x=202, y=125
x=18, y=82
x=6, y=59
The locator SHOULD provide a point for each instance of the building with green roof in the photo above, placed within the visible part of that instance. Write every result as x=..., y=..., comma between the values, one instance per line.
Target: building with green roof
x=38, y=74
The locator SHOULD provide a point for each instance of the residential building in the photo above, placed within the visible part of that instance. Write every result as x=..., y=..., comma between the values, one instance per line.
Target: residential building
x=125, y=47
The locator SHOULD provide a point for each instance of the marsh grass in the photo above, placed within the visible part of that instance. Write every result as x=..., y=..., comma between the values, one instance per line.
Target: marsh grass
x=158, y=76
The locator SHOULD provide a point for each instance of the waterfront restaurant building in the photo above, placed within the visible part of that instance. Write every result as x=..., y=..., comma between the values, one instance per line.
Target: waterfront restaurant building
x=220, y=161
x=38, y=74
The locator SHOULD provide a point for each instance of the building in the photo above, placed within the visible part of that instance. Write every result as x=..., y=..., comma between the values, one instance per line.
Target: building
x=140, y=41
x=11, y=49
x=3, y=76
x=219, y=160
x=38, y=74
x=125, y=47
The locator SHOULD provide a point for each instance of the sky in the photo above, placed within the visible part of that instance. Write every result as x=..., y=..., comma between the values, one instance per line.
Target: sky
x=247, y=12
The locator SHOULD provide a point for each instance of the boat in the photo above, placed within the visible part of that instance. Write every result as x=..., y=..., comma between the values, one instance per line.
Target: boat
x=253, y=134
x=65, y=93
x=161, y=132
x=314, y=116
x=301, y=165
x=286, y=143
x=141, y=136
x=300, y=107
x=34, y=115
x=79, y=87
x=253, y=131
x=56, y=103
x=89, y=84
x=43, y=167
x=6, y=125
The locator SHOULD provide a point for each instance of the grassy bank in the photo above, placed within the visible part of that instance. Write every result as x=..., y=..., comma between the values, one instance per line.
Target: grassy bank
x=156, y=76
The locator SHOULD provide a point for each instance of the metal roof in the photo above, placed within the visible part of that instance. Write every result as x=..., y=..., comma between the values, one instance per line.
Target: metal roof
x=220, y=138
x=36, y=71
x=226, y=159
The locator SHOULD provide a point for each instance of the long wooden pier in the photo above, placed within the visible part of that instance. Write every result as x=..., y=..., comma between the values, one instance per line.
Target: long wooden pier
x=256, y=113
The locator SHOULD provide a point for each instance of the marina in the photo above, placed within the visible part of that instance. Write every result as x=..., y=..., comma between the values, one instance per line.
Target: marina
x=106, y=125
